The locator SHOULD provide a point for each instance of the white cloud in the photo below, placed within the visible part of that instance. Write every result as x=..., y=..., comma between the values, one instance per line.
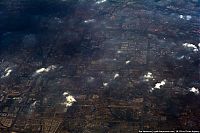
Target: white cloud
x=105, y=84
x=100, y=1
x=190, y=46
x=194, y=90
x=69, y=99
x=119, y=51
x=33, y=104
x=195, y=50
x=89, y=21
x=158, y=85
x=181, y=16
x=7, y=72
x=181, y=57
x=116, y=75
x=65, y=93
x=188, y=17
x=148, y=76
x=128, y=61
x=42, y=70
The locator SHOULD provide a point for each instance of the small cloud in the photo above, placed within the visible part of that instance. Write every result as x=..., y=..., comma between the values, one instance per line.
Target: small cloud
x=181, y=16
x=100, y=1
x=33, y=104
x=188, y=17
x=89, y=21
x=69, y=101
x=148, y=76
x=105, y=84
x=43, y=70
x=7, y=72
x=158, y=85
x=65, y=93
x=190, y=46
x=119, y=51
x=194, y=90
x=181, y=57
x=195, y=50
x=128, y=61
x=116, y=75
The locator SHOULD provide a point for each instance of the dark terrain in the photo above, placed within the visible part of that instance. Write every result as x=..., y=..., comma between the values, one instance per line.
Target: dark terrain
x=86, y=66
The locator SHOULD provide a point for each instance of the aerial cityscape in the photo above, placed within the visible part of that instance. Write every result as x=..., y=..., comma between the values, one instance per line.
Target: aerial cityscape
x=99, y=66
